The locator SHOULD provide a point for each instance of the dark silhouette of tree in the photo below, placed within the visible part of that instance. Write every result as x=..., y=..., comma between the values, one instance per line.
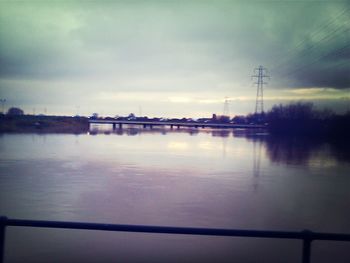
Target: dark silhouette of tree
x=239, y=119
x=94, y=116
x=223, y=119
x=295, y=111
x=15, y=111
x=256, y=118
x=296, y=118
x=302, y=119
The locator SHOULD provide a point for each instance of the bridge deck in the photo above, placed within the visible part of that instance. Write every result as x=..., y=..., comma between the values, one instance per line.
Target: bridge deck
x=180, y=124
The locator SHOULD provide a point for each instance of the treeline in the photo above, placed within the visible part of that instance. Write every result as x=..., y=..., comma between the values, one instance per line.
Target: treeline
x=44, y=124
x=303, y=119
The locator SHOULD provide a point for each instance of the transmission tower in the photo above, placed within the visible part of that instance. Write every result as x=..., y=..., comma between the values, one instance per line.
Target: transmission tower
x=3, y=105
x=226, y=111
x=259, y=76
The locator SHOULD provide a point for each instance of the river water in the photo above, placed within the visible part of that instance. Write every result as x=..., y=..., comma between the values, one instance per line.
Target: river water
x=206, y=178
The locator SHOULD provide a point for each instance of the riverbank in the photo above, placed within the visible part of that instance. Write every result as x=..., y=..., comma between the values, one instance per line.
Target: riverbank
x=45, y=124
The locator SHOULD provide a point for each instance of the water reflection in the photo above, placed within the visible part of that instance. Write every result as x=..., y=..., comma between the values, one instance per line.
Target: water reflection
x=294, y=151
x=291, y=151
x=178, y=145
x=341, y=150
x=256, y=163
x=135, y=129
x=304, y=151
x=220, y=133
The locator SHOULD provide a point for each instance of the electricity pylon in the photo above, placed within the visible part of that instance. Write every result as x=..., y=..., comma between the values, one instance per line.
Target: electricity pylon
x=260, y=75
x=226, y=111
x=3, y=105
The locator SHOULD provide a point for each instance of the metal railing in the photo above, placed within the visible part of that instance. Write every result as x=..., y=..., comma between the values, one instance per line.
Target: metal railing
x=306, y=236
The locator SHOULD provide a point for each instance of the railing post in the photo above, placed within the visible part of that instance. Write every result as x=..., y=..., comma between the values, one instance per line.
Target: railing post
x=307, y=246
x=3, y=220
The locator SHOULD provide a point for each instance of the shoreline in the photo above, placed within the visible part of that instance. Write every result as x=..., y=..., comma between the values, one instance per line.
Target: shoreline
x=286, y=129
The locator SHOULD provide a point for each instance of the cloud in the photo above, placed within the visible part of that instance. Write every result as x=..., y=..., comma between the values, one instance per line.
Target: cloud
x=204, y=48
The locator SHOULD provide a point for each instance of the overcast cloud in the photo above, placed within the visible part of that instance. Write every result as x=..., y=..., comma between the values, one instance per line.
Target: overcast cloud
x=171, y=58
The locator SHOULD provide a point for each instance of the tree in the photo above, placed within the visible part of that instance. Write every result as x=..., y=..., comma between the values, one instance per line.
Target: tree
x=294, y=111
x=224, y=119
x=294, y=118
x=239, y=120
x=94, y=116
x=15, y=111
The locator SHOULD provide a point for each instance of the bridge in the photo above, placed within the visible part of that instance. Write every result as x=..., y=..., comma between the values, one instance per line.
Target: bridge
x=177, y=124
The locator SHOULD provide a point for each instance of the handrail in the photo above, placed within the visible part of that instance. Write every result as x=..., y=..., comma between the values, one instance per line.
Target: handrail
x=305, y=235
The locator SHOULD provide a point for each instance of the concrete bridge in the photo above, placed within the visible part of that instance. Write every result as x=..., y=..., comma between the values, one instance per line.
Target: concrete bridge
x=177, y=124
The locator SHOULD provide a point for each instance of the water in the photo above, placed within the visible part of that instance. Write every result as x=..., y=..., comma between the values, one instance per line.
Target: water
x=211, y=178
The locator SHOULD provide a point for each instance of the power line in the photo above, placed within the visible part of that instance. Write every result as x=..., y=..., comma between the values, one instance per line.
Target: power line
x=322, y=27
x=319, y=30
x=313, y=47
x=336, y=52
x=327, y=37
x=324, y=40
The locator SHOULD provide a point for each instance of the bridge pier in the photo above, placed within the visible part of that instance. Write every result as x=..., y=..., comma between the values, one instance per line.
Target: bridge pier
x=145, y=126
x=171, y=126
x=114, y=126
x=178, y=126
x=120, y=125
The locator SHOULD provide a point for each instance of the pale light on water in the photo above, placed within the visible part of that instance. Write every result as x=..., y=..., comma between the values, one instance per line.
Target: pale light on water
x=179, y=178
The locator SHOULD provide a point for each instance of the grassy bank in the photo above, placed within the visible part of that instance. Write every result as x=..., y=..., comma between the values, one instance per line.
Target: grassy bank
x=44, y=124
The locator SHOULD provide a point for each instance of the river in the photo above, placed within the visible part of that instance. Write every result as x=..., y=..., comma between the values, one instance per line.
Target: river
x=186, y=177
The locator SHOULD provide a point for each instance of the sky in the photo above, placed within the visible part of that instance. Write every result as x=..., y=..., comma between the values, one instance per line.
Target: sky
x=172, y=58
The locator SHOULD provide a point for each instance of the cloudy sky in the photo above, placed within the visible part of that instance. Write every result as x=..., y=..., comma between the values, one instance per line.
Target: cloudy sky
x=171, y=58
